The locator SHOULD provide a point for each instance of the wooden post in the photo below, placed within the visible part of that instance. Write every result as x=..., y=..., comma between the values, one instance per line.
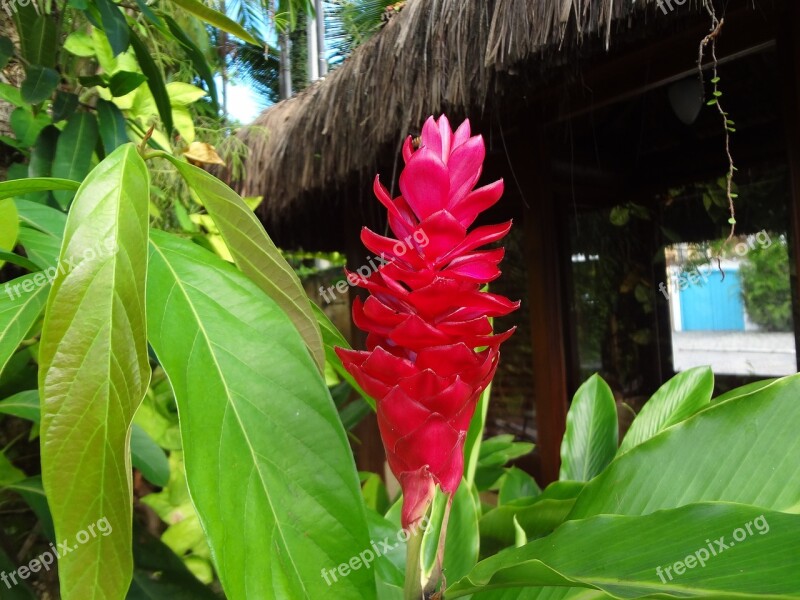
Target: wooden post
x=545, y=297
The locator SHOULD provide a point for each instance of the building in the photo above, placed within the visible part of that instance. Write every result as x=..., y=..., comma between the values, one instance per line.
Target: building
x=612, y=151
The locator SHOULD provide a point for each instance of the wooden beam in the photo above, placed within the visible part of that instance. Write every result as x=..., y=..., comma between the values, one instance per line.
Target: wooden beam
x=547, y=324
x=634, y=71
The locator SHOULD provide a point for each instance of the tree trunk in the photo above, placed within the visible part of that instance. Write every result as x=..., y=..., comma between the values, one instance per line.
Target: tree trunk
x=285, y=82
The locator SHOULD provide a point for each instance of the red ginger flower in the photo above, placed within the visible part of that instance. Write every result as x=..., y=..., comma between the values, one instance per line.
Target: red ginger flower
x=430, y=348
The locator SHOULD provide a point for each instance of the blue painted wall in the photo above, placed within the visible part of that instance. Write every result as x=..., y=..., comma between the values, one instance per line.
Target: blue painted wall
x=713, y=305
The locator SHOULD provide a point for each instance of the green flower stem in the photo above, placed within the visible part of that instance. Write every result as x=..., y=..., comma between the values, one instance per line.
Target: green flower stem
x=413, y=586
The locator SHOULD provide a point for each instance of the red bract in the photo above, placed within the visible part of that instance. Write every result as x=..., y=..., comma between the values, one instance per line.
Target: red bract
x=430, y=346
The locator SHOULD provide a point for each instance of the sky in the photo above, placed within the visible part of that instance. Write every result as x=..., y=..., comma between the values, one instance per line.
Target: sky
x=244, y=104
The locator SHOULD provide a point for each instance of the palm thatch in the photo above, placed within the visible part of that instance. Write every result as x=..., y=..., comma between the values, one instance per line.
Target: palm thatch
x=434, y=55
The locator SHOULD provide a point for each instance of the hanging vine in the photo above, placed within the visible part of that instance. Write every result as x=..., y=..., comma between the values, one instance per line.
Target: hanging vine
x=709, y=42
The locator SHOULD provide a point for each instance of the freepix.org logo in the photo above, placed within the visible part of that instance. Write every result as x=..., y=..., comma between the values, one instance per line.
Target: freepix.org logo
x=12, y=6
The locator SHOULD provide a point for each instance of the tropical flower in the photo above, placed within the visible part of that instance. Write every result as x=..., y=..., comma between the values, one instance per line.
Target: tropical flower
x=431, y=350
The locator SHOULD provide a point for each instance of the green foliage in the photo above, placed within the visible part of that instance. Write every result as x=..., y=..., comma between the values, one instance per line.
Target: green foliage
x=690, y=474
x=766, y=286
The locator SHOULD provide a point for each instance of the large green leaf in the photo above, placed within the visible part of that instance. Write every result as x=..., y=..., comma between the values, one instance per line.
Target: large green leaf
x=74, y=152
x=114, y=25
x=267, y=460
x=24, y=405
x=10, y=229
x=590, y=441
x=148, y=457
x=743, y=450
x=630, y=557
x=43, y=42
x=493, y=455
x=40, y=83
x=255, y=253
x=17, y=187
x=112, y=125
x=537, y=516
x=216, y=19
x=94, y=372
x=155, y=81
x=42, y=226
x=472, y=444
x=21, y=303
x=42, y=249
x=42, y=156
x=677, y=400
x=27, y=126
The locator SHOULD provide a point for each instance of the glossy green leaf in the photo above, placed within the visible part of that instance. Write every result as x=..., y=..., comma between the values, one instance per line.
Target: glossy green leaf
x=677, y=400
x=21, y=303
x=19, y=187
x=268, y=463
x=39, y=85
x=10, y=229
x=42, y=249
x=255, y=253
x=24, y=405
x=155, y=81
x=590, y=441
x=11, y=94
x=628, y=556
x=79, y=43
x=94, y=372
x=517, y=484
x=743, y=450
x=64, y=105
x=20, y=261
x=114, y=25
x=216, y=19
x=112, y=125
x=44, y=40
x=494, y=455
x=74, y=152
x=475, y=433
x=124, y=82
x=38, y=216
x=538, y=516
x=41, y=162
x=148, y=457
x=744, y=390
x=27, y=127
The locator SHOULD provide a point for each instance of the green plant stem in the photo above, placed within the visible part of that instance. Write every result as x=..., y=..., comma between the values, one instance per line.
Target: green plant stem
x=413, y=585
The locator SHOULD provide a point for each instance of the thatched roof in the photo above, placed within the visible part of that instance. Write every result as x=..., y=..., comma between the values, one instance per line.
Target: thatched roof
x=432, y=55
